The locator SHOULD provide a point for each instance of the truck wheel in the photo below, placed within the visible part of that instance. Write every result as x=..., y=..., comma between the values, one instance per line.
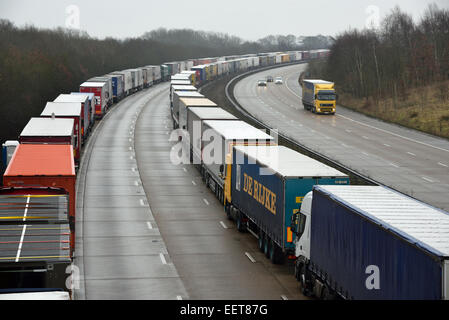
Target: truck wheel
x=261, y=242
x=228, y=211
x=266, y=247
x=276, y=255
x=327, y=294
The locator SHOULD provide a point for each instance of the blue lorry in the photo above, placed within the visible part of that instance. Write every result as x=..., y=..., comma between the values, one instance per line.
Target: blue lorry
x=370, y=242
x=265, y=188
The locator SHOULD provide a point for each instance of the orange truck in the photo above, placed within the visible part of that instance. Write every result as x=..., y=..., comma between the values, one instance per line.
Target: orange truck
x=48, y=166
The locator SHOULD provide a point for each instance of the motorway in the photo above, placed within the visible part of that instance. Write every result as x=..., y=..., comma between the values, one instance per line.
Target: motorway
x=149, y=229
x=406, y=160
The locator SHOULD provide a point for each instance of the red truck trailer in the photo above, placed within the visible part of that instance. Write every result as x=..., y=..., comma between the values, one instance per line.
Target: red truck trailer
x=67, y=110
x=44, y=165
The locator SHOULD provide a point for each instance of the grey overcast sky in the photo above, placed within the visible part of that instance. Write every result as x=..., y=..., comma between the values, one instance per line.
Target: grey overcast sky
x=248, y=19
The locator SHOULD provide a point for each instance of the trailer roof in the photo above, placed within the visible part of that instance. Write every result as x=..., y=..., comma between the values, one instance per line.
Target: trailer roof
x=48, y=127
x=188, y=72
x=414, y=221
x=184, y=88
x=317, y=81
x=42, y=160
x=191, y=94
x=212, y=113
x=288, y=163
x=64, y=109
x=93, y=84
x=38, y=295
x=180, y=76
x=71, y=98
x=198, y=102
x=237, y=130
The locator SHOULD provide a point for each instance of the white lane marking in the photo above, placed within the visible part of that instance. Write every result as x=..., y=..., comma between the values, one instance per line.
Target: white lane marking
x=411, y=153
x=19, y=250
x=348, y=131
x=427, y=179
x=185, y=170
x=394, y=134
x=161, y=256
x=442, y=164
x=250, y=257
x=178, y=298
x=194, y=183
x=365, y=137
x=345, y=145
x=284, y=297
x=386, y=145
x=223, y=225
x=149, y=225
x=394, y=165
x=205, y=201
x=366, y=154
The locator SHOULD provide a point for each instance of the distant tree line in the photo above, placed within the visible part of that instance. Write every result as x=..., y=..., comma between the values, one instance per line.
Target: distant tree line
x=387, y=61
x=37, y=65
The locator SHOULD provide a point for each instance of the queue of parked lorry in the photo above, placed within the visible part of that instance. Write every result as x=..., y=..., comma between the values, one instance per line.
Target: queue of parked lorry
x=352, y=242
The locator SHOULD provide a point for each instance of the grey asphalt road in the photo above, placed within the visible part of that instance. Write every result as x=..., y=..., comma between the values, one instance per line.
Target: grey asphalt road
x=149, y=229
x=407, y=160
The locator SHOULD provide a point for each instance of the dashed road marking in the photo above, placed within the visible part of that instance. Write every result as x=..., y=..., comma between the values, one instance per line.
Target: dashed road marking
x=411, y=153
x=205, y=201
x=442, y=164
x=149, y=225
x=394, y=165
x=284, y=297
x=427, y=179
x=250, y=257
x=161, y=256
x=223, y=225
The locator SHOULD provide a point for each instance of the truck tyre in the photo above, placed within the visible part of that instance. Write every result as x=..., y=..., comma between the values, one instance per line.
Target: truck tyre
x=303, y=280
x=276, y=255
x=327, y=294
x=266, y=247
x=240, y=225
x=261, y=241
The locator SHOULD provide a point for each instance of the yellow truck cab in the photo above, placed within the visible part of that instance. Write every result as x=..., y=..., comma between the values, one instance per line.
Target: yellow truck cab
x=319, y=96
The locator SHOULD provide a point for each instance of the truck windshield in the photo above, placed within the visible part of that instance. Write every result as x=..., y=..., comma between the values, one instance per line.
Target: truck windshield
x=326, y=96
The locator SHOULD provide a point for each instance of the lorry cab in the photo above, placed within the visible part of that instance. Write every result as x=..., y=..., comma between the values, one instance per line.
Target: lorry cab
x=301, y=222
x=319, y=96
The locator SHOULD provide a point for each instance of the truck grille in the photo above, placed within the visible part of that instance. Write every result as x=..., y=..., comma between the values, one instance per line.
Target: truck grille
x=326, y=109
